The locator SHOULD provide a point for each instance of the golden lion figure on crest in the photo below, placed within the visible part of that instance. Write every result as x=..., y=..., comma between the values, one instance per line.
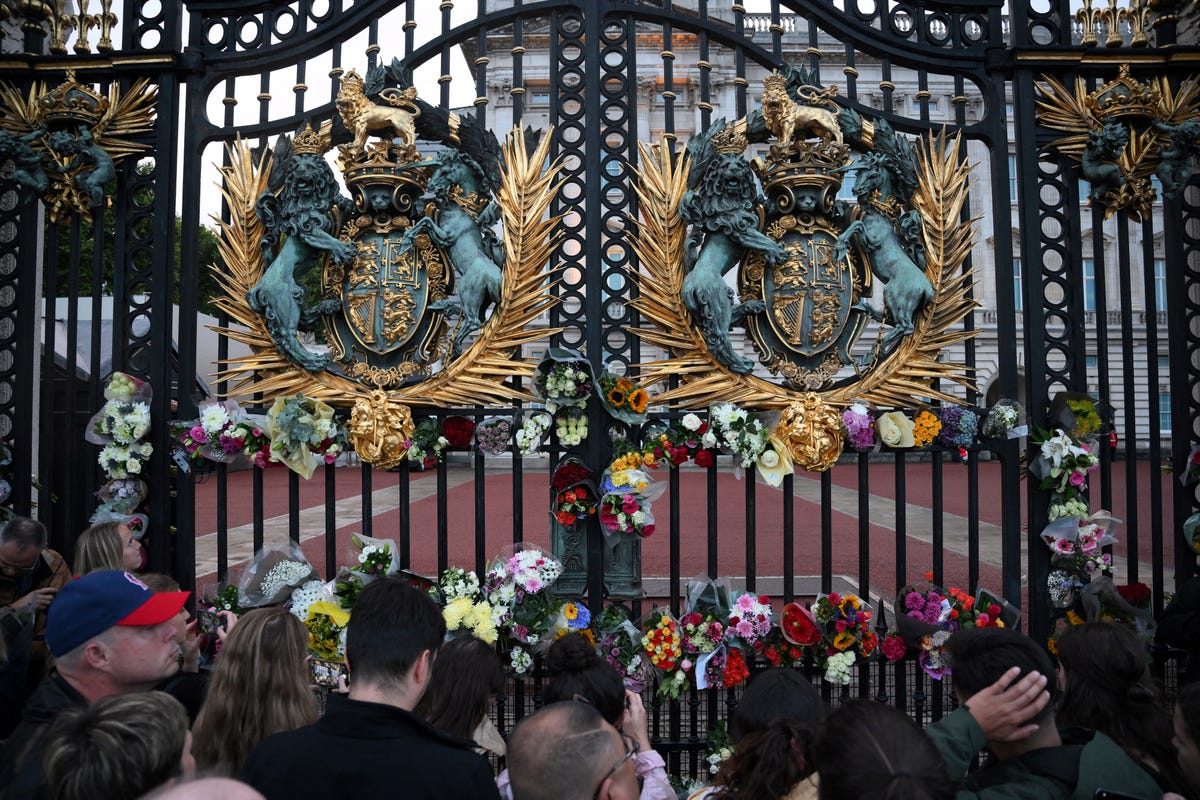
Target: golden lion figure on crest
x=363, y=117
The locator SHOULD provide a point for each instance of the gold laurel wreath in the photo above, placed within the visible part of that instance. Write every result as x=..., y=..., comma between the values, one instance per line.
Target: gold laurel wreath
x=480, y=375
x=905, y=375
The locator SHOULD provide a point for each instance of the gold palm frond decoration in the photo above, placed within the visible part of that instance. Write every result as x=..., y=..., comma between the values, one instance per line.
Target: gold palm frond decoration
x=481, y=375
x=905, y=375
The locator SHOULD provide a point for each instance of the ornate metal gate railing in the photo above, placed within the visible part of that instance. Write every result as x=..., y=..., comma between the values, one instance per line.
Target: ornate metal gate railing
x=1070, y=299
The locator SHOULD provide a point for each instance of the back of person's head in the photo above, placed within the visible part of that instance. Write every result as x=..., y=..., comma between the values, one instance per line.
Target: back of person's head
x=158, y=582
x=393, y=624
x=776, y=694
x=871, y=751
x=258, y=688
x=1108, y=688
x=468, y=673
x=576, y=670
x=23, y=532
x=562, y=752
x=100, y=547
x=981, y=656
x=122, y=746
x=773, y=728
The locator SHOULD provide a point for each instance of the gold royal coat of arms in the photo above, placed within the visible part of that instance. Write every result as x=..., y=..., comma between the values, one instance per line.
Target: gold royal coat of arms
x=807, y=264
x=417, y=297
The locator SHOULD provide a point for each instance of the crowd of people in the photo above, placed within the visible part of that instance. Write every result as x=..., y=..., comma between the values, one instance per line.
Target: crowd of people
x=102, y=698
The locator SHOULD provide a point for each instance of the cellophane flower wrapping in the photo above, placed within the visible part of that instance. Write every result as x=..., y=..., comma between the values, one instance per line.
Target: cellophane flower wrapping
x=518, y=585
x=563, y=379
x=620, y=644
x=1005, y=420
x=303, y=433
x=623, y=398
x=662, y=646
x=860, y=427
x=272, y=574
x=494, y=435
x=738, y=432
x=1062, y=464
x=533, y=432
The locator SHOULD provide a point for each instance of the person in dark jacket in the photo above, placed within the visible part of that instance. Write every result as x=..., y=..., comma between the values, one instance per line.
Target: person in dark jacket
x=30, y=575
x=371, y=744
x=1179, y=626
x=109, y=635
x=1005, y=681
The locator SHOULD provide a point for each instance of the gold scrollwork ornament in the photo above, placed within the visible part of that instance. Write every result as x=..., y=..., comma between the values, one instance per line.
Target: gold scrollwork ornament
x=812, y=431
x=380, y=430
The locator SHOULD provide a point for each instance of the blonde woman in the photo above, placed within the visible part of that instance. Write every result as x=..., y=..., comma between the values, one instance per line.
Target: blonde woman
x=107, y=545
x=259, y=687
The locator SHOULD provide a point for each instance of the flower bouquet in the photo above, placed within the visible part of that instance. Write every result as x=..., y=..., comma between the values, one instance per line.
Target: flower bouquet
x=623, y=399
x=427, y=445
x=1061, y=465
x=959, y=427
x=272, y=575
x=845, y=626
x=302, y=430
x=563, y=379
x=662, y=645
x=532, y=432
x=1078, y=414
x=215, y=434
x=702, y=630
x=457, y=582
x=626, y=497
x=1076, y=544
x=675, y=443
x=574, y=495
x=458, y=431
x=127, y=388
x=493, y=435
x=749, y=621
x=303, y=597
x=120, y=422
x=121, y=461
x=518, y=588
x=373, y=557
x=774, y=462
x=570, y=426
x=326, y=623
x=860, y=427
x=123, y=495
x=620, y=644
x=472, y=616
x=572, y=617
x=737, y=432
x=926, y=429
x=1005, y=420
x=780, y=652
x=895, y=429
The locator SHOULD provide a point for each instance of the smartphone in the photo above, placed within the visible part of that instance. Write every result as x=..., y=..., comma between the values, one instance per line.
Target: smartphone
x=325, y=672
x=207, y=622
x=1009, y=614
x=1104, y=794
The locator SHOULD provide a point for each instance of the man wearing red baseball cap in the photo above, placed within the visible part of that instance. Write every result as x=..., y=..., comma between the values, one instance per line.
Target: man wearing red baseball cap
x=109, y=635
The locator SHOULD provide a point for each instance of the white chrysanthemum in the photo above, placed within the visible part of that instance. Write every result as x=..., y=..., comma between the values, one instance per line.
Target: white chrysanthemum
x=214, y=418
x=303, y=597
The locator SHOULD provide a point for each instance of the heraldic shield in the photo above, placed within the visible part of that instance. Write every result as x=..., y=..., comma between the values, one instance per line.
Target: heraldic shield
x=387, y=330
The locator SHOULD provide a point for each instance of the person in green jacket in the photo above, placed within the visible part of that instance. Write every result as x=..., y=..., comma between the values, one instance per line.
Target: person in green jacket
x=1005, y=682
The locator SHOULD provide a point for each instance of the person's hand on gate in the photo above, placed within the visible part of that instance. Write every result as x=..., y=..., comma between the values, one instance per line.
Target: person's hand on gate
x=1004, y=709
x=634, y=723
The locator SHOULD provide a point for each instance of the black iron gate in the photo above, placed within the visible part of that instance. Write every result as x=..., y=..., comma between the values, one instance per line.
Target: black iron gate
x=1070, y=299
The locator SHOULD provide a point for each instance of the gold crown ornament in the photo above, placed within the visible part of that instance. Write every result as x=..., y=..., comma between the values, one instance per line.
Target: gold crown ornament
x=72, y=103
x=310, y=141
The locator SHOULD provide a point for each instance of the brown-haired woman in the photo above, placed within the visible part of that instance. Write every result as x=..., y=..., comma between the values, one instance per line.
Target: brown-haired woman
x=1104, y=678
x=468, y=674
x=259, y=687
